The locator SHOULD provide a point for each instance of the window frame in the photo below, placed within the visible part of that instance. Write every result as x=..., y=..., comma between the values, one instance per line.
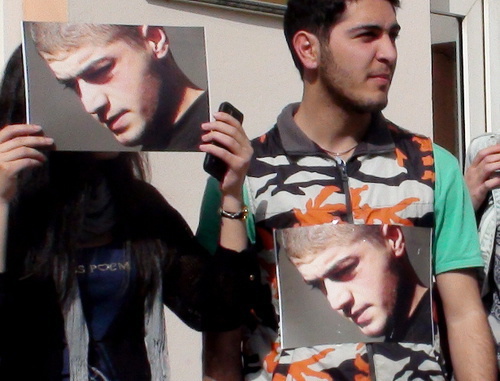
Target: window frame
x=475, y=98
x=492, y=71
x=261, y=6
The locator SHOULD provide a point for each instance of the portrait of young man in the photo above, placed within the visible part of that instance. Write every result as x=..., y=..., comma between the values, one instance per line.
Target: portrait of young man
x=333, y=157
x=368, y=275
x=128, y=79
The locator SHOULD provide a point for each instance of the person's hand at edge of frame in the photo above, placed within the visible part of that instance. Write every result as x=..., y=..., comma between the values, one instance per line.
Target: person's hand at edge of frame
x=20, y=146
x=483, y=175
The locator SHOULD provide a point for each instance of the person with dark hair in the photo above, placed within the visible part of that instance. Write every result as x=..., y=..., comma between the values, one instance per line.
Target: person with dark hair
x=127, y=78
x=90, y=252
x=13, y=112
x=334, y=158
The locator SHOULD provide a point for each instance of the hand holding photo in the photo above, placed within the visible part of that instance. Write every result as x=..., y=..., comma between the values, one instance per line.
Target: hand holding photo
x=146, y=85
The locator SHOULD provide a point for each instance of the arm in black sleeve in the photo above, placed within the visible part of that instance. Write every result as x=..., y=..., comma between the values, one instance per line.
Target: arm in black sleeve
x=204, y=290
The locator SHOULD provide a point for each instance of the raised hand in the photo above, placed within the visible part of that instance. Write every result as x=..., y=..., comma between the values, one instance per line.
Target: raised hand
x=236, y=150
x=236, y=153
x=20, y=146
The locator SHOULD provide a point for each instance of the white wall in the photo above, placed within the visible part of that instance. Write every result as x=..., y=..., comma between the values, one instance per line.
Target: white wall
x=250, y=66
x=492, y=46
x=410, y=101
x=2, y=26
x=10, y=25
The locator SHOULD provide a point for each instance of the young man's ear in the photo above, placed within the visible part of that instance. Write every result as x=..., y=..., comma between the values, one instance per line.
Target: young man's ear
x=157, y=40
x=395, y=239
x=307, y=48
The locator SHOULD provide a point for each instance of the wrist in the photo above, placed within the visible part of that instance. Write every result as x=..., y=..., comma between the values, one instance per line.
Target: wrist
x=231, y=202
x=241, y=214
x=234, y=193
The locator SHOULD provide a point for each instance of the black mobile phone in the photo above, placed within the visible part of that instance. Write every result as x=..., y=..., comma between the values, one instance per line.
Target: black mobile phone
x=212, y=164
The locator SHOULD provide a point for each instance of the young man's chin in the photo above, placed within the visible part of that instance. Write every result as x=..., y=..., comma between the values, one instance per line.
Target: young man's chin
x=368, y=102
x=128, y=141
x=372, y=331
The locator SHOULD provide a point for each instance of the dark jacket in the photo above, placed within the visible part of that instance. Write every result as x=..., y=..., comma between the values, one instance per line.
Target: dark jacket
x=201, y=289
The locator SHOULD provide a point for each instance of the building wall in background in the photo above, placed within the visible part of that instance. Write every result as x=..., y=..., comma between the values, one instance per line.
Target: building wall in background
x=11, y=13
x=45, y=10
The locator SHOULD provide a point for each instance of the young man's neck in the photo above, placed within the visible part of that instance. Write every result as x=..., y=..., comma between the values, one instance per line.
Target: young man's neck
x=178, y=93
x=329, y=125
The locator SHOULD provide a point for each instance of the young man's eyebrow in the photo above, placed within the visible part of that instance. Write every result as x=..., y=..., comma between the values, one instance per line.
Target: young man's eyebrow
x=331, y=269
x=67, y=82
x=374, y=27
x=395, y=28
x=83, y=71
x=339, y=267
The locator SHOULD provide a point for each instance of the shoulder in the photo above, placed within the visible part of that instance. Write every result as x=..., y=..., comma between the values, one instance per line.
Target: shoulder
x=414, y=144
x=267, y=142
x=400, y=134
x=443, y=158
x=447, y=167
x=448, y=174
x=271, y=143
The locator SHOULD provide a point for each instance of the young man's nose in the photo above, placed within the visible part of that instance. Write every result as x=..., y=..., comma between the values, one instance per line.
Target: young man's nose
x=339, y=295
x=386, y=50
x=92, y=96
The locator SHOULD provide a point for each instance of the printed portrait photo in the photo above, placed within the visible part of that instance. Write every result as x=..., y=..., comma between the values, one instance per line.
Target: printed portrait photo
x=105, y=87
x=354, y=283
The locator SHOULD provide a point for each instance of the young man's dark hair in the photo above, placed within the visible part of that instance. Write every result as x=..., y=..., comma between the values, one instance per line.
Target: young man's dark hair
x=314, y=16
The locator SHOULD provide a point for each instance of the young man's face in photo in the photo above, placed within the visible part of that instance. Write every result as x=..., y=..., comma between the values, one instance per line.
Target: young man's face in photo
x=116, y=84
x=359, y=281
x=358, y=62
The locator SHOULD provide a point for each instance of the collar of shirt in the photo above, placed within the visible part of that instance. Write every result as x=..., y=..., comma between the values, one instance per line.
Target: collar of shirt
x=377, y=140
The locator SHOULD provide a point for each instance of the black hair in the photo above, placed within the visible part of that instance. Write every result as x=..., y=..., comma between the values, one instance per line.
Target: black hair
x=316, y=17
x=48, y=214
x=12, y=100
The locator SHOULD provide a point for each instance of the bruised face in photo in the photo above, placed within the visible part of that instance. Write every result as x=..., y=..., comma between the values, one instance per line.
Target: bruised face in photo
x=118, y=82
x=360, y=281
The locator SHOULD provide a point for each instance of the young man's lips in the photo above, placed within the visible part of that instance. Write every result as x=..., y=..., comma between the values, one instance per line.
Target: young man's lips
x=382, y=77
x=359, y=317
x=115, y=122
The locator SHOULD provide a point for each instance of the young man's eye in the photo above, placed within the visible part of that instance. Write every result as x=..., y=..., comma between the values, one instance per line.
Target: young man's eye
x=394, y=36
x=345, y=272
x=99, y=74
x=316, y=285
x=368, y=35
x=70, y=85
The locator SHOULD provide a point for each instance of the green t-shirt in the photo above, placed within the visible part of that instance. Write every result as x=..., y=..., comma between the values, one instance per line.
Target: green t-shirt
x=456, y=244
